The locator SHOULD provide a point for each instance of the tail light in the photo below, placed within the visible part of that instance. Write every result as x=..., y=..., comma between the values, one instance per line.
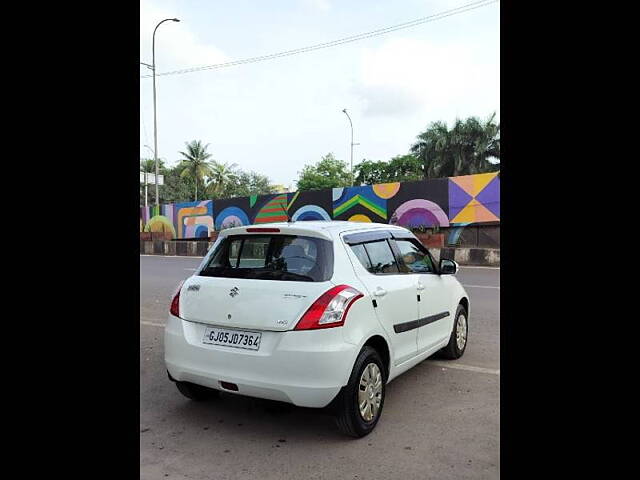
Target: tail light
x=175, y=303
x=330, y=310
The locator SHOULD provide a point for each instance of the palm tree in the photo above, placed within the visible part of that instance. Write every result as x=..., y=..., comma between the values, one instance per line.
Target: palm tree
x=220, y=176
x=463, y=150
x=149, y=165
x=488, y=146
x=432, y=148
x=195, y=162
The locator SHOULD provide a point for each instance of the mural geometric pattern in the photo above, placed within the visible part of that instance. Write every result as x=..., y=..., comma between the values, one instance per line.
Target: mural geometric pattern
x=419, y=212
x=474, y=198
x=194, y=219
x=160, y=223
x=352, y=200
x=275, y=210
x=310, y=212
x=453, y=201
x=231, y=217
x=386, y=190
x=310, y=205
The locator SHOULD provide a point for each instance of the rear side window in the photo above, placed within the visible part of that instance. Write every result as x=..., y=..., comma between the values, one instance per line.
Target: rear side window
x=272, y=257
x=362, y=255
x=377, y=257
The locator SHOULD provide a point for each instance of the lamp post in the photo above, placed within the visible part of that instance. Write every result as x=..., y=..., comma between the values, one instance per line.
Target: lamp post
x=352, y=144
x=146, y=203
x=155, y=120
x=145, y=179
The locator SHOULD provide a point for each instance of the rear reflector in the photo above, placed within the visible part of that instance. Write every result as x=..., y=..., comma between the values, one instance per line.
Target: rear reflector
x=229, y=386
x=330, y=310
x=263, y=230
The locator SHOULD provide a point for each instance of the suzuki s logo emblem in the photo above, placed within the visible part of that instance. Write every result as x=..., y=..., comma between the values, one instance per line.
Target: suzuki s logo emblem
x=234, y=291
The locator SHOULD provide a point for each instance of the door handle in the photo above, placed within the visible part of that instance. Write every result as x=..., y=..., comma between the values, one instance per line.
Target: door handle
x=380, y=292
x=420, y=287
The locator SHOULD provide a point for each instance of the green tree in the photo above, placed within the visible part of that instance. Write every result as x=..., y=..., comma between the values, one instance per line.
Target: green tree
x=195, y=163
x=329, y=172
x=404, y=168
x=432, y=147
x=220, y=175
x=176, y=188
x=149, y=165
x=471, y=146
x=401, y=168
x=257, y=184
x=370, y=172
x=247, y=183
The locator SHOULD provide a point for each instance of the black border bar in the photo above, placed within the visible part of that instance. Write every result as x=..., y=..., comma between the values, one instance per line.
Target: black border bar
x=421, y=322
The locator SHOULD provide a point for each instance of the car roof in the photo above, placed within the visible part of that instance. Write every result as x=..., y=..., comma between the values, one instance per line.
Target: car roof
x=332, y=227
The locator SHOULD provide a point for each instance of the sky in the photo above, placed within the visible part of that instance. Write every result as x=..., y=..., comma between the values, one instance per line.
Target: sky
x=276, y=116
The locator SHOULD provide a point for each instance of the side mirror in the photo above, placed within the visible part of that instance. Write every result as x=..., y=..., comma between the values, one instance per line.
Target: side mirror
x=448, y=267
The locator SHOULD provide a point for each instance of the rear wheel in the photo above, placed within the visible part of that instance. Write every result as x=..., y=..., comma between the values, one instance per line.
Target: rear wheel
x=458, y=340
x=360, y=402
x=196, y=392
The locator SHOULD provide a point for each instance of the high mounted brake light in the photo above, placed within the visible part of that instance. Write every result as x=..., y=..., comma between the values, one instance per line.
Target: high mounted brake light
x=330, y=310
x=263, y=230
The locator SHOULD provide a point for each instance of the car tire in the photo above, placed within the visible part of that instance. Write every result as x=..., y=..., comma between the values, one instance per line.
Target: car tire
x=349, y=419
x=196, y=392
x=454, y=348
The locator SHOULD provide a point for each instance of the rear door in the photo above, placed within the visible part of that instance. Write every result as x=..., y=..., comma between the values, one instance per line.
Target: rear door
x=393, y=292
x=434, y=315
x=261, y=282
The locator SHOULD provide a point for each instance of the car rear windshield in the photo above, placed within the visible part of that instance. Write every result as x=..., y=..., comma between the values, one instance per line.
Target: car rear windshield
x=272, y=257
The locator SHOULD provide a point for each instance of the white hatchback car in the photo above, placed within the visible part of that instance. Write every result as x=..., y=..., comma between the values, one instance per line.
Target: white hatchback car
x=314, y=314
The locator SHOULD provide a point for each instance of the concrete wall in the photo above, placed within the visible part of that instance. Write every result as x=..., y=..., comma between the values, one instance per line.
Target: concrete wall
x=469, y=256
x=473, y=236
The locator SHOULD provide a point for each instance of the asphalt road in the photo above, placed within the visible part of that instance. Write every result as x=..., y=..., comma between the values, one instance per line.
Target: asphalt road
x=441, y=419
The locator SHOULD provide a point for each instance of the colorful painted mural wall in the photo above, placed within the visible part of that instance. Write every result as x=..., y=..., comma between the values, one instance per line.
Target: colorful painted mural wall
x=440, y=202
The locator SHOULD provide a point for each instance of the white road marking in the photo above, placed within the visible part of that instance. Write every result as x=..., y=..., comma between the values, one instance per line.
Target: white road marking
x=480, y=286
x=151, y=324
x=191, y=269
x=470, y=368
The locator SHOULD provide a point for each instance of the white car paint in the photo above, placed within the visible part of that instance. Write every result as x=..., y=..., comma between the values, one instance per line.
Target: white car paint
x=309, y=367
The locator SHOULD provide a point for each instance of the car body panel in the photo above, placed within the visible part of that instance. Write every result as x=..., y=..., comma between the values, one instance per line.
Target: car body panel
x=241, y=302
x=309, y=367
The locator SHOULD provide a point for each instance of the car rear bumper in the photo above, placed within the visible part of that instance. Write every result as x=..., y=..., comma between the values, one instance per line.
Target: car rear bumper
x=306, y=368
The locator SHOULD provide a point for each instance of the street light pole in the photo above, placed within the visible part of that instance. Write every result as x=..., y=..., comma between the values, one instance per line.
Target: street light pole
x=146, y=179
x=155, y=119
x=352, y=144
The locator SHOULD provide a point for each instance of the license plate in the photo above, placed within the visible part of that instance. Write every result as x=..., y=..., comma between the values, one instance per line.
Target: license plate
x=232, y=338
